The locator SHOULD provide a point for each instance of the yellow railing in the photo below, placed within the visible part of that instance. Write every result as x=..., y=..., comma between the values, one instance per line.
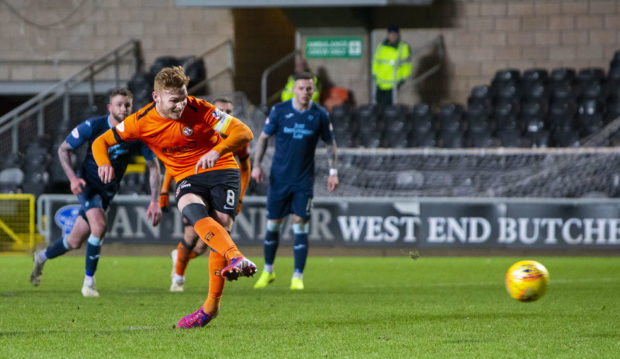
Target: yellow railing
x=17, y=217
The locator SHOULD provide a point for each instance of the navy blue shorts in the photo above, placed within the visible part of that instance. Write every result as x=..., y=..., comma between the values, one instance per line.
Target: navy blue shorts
x=219, y=188
x=93, y=198
x=284, y=199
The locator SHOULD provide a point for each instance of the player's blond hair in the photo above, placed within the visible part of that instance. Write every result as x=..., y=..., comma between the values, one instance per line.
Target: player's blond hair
x=170, y=78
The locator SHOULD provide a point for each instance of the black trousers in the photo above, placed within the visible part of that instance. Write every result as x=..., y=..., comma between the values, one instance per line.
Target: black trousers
x=384, y=97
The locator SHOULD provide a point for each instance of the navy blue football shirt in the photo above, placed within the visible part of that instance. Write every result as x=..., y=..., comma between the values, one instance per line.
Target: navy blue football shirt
x=120, y=154
x=297, y=133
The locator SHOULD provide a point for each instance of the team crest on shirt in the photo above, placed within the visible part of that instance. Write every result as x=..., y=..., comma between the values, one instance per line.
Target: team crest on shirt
x=187, y=131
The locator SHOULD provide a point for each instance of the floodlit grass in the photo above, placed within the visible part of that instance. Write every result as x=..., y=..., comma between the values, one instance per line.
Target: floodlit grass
x=362, y=307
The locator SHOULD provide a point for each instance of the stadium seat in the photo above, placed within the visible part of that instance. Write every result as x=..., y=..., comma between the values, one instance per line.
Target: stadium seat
x=141, y=85
x=449, y=139
x=422, y=117
x=35, y=182
x=615, y=61
x=564, y=91
x=481, y=95
x=11, y=180
x=507, y=75
x=535, y=90
x=535, y=75
x=562, y=75
x=510, y=91
x=505, y=115
x=591, y=116
x=510, y=138
x=450, y=117
x=394, y=112
x=591, y=74
x=613, y=110
x=539, y=138
x=563, y=137
x=422, y=139
x=163, y=61
x=593, y=90
x=480, y=139
x=562, y=115
x=11, y=160
x=196, y=71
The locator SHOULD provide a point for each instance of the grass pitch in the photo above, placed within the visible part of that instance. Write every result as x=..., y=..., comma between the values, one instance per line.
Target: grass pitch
x=387, y=307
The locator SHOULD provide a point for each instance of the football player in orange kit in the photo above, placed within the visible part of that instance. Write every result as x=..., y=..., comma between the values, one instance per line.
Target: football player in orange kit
x=187, y=134
x=190, y=247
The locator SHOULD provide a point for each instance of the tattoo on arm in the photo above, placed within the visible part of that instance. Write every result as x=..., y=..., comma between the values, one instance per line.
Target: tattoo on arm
x=332, y=157
x=64, y=155
x=261, y=147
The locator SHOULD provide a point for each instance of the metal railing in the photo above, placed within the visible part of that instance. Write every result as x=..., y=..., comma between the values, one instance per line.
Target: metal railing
x=437, y=45
x=230, y=65
x=263, y=81
x=127, y=53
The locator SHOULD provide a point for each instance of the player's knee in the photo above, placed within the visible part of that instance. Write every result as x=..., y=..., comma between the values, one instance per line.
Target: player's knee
x=224, y=219
x=72, y=243
x=195, y=212
x=273, y=226
x=200, y=248
x=188, y=245
x=98, y=228
x=301, y=228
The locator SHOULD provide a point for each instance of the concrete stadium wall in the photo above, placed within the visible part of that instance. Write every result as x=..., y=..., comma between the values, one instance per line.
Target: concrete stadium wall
x=73, y=33
x=487, y=35
x=481, y=37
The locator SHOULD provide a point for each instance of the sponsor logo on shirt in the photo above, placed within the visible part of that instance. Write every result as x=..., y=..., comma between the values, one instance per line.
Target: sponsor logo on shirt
x=298, y=131
x=75, y=133
x=120, y=127
x=289, y=115
x=184, y=148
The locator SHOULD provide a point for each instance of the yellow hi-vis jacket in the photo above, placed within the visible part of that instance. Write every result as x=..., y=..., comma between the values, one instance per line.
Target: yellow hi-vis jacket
x=287, y=92
x=384, y=63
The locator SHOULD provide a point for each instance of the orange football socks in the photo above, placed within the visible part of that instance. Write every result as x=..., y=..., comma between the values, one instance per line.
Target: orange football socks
x=183, y=256
x=216, y=237
x=216, y=284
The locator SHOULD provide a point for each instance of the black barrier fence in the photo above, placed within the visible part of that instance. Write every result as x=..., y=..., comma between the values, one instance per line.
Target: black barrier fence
x=389, y=223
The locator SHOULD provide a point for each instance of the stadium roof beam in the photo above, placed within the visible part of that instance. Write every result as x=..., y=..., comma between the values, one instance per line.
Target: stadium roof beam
x=299, y=3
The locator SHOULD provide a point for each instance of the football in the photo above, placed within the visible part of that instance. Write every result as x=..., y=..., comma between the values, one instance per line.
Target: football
x=527, y=281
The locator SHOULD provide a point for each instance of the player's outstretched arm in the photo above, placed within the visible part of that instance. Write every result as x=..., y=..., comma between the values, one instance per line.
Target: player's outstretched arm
x=153, y=211
x=64, y=156
x=259, y=153
x=332, y=160
x=100, y=153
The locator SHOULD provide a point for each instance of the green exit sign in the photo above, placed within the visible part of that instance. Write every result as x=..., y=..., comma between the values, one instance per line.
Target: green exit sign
x=333, y=47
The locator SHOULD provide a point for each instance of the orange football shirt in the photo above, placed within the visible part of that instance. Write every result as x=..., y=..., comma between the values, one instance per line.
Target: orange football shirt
x=179, y=144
